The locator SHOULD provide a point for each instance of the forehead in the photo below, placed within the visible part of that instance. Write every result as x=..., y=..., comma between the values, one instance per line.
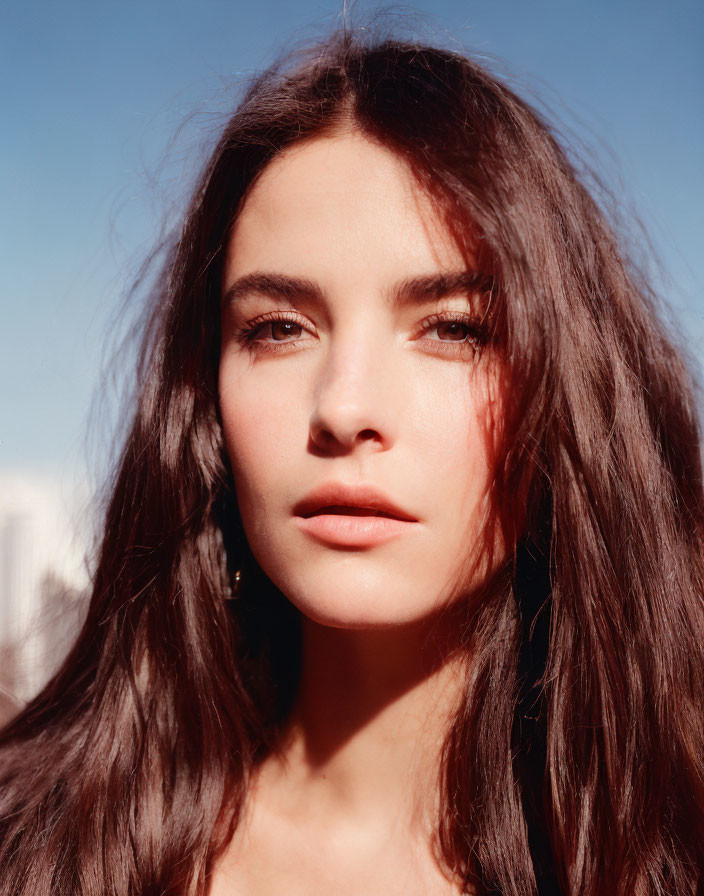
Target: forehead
x=341, y=204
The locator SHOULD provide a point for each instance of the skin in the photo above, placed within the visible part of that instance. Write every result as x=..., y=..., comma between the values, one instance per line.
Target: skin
x=355, y=389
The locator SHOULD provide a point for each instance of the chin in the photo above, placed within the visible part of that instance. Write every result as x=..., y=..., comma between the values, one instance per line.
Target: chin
x=364, y=610
x=353, y=591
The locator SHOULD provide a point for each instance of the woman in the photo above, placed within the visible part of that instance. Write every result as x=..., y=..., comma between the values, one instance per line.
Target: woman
x=400, y=587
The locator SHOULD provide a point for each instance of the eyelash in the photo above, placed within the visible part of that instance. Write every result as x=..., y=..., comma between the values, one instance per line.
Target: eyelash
x=476, y=332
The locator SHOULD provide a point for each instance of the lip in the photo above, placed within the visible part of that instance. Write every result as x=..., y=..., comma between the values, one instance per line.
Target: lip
x=338, y=495
x=322, y=515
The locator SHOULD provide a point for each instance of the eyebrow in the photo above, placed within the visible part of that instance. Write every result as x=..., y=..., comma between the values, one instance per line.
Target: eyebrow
x=280, y=286
x=439, y=286
x=415, y=290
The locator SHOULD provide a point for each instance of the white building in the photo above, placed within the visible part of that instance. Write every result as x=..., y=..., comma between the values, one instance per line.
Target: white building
x=44, y=525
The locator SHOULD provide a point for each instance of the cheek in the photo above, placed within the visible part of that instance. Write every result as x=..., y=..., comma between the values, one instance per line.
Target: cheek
x=460, y=434
x=258, y=427
x=455, y=421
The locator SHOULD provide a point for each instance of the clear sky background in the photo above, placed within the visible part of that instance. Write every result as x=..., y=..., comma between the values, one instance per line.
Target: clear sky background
x=107, y=108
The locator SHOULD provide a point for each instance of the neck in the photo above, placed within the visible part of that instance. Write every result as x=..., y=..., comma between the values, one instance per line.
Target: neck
x=365, y=737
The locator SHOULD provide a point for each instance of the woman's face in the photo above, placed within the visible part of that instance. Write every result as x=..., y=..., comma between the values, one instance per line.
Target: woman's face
x=352, y=381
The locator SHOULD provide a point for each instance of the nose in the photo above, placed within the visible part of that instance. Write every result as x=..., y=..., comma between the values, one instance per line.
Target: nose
x=356, y=405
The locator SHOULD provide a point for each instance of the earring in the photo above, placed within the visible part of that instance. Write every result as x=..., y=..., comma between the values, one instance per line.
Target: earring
x=236, y=584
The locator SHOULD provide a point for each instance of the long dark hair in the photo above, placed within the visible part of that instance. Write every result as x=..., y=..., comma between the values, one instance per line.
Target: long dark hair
x=577, y=757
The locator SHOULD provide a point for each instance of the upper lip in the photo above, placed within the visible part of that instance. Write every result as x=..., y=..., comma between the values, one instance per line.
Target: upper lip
x=337, y=495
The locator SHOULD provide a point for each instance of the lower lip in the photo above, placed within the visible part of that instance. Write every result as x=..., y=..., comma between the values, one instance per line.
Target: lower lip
x=353, y=531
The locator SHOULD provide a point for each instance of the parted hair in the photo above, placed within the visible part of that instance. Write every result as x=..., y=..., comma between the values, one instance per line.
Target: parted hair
x=575, y=762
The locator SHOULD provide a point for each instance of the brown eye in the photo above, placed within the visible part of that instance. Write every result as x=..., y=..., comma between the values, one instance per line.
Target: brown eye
x=283, y=329
x=453, y=331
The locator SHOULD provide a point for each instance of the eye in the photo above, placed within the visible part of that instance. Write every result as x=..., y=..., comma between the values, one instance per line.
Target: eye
x=455, y=330
x=280, y=330
x=452, y=330
x=273, y=331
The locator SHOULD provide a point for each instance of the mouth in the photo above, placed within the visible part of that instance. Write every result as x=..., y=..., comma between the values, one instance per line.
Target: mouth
x=339, y=510
x=340, y=499
x=352, y=528
x=351, y=517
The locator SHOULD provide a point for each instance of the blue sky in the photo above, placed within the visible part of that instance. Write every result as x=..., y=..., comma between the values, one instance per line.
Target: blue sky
x=107, y=109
